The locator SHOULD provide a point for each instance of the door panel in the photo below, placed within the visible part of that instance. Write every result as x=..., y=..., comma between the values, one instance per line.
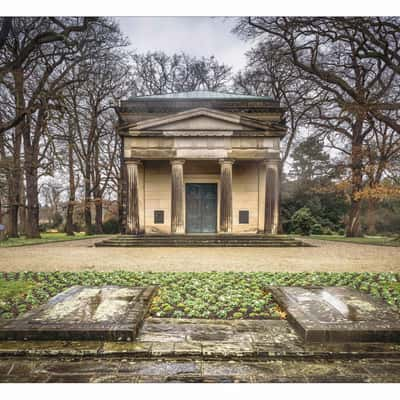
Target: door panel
x=193, y=208
x=209, y=208
x=201, y=207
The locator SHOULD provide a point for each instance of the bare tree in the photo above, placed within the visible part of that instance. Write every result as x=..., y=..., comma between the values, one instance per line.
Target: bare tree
x=159, y=73
x=11, y=142
x=269, y=72
x=357, y=88
x=33, y=57
x=22, y=38
x=90, y=106
x=36, y=76
x=381, y=152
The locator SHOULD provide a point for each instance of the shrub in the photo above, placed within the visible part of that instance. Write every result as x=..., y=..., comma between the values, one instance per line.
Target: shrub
x=302, y=221
x=56, y=220
x=111, y=226
x=77, y=227
x=43, y=227
x=317, y=229
x=327, y=231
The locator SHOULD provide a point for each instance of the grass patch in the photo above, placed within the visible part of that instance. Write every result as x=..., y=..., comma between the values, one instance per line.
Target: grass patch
x=11, y=289
x=16, y=297
x=374, y=240
x=220, y=295
x=46, y=238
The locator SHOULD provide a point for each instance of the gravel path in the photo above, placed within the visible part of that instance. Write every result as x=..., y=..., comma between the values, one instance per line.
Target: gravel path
x=81, y=255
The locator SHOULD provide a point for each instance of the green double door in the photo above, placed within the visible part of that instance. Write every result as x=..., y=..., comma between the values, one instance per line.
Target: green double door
x=201, y=207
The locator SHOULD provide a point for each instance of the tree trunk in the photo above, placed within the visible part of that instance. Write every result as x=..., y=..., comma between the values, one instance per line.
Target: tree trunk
x=3, y=233
x=97, y=191
x=32, y=196
x=99, y=216
x=13, y=196
x=87, y=201
x=2, y=159
x=14, y=173
x=22, y=209
x=353, y=228
x=31, y=164
x=371, y=216
x=69, y=225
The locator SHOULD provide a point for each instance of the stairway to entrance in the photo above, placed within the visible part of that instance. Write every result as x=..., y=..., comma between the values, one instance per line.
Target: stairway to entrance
x=206, y=240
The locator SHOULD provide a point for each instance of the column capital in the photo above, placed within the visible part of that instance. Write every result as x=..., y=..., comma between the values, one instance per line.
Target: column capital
x=133, y=162
x=177, y=162
x=223, y=161
x=271, y=162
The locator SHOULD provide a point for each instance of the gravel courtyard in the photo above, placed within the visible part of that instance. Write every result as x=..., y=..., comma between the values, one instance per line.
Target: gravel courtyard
x=81, y=255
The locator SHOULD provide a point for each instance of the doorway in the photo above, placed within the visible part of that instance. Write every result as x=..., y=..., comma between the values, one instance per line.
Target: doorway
x=201, y=207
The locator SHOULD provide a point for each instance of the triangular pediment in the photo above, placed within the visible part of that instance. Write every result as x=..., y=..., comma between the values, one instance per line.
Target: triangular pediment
x=197, y=120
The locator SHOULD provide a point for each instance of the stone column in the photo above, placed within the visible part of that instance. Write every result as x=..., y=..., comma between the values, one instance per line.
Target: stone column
x=226, y=196
x=132, y=220
x=272, y=195
x=177, y=197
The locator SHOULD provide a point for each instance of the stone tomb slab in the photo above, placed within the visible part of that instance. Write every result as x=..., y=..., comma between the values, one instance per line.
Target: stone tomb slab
x=84, y=313
x=337, y=314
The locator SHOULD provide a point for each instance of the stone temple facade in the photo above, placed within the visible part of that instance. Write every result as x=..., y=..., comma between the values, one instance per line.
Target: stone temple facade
x=201, y=162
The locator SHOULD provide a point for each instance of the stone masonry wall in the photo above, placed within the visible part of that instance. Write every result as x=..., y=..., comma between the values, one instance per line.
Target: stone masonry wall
x=157, y=191
x=157, y=195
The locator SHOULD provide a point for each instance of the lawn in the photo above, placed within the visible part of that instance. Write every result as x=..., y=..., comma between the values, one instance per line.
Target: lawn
x=46, y=238
x=375, y=240
x=221, y=295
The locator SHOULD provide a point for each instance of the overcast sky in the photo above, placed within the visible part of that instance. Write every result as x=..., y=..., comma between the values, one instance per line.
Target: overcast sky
x=198, y=36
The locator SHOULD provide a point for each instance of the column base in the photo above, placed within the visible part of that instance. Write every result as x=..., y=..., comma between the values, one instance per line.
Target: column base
x=178, y=232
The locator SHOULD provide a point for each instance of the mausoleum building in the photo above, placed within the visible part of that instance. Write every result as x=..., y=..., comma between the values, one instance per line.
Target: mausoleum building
x=201, y=162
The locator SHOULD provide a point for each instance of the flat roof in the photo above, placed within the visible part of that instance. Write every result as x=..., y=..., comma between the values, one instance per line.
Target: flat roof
x=201, y=95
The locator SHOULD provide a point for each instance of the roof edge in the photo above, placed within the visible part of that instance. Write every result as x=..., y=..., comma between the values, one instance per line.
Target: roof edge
x=200, y=95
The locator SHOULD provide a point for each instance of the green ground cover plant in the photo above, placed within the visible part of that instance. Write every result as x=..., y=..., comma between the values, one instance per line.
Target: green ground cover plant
x=46, y=238
x=375, y=240
x=221, y=295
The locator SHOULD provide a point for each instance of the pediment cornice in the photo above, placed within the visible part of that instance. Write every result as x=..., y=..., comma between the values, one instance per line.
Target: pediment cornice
x=174, y=124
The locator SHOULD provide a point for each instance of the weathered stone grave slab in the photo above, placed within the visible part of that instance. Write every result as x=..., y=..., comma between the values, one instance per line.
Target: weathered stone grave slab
x=338, y=314
x=84, y=312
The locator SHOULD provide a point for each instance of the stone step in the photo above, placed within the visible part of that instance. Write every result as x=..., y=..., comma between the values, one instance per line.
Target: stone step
x=198, y=241
x=202, y=239
x=228, y=240
x=198, y=244
x=197, y=236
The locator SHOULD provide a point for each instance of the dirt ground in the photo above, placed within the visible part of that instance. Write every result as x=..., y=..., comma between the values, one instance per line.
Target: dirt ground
x=81, y=255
